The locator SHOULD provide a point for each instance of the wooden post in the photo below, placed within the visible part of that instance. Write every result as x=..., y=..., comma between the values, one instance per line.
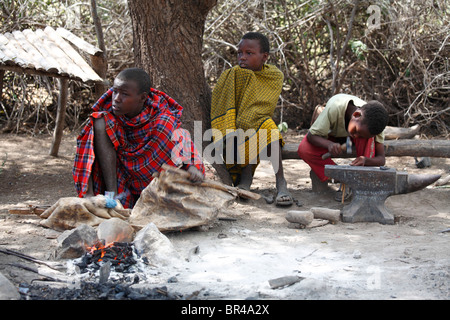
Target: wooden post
x=99, y=63
x=2, y=74
x=60, y=116
x=100, y=66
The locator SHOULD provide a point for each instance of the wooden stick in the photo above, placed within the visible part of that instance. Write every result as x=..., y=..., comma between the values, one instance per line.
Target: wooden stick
x=343, y=193
x=37, y=210
x=48, y=276
x=212, y=184
x=55, y=265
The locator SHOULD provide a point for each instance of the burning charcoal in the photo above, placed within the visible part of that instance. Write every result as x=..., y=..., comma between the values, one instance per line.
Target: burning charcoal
x=118, y=254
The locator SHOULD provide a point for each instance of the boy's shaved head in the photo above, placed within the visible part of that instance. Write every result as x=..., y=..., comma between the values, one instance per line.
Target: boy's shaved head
x=137, y=75
x=376, y=116
x=263, y=41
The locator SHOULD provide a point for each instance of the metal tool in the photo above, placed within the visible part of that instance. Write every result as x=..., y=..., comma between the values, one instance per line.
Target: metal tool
x=346, y=147
x=371, y=186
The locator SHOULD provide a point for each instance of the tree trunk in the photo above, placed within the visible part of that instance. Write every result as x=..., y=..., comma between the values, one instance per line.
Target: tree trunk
x=99, y=63
x=167, y=41
x=168, y=37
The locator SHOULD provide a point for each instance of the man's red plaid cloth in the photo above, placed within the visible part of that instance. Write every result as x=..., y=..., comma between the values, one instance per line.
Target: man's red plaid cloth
x=143, y=144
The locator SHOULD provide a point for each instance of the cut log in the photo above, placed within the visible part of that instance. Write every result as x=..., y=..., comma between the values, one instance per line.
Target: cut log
x=332, y=215
x=393, y=148
x=301, y=217
x=418, y=148
x=443, y=181
x=393, y=133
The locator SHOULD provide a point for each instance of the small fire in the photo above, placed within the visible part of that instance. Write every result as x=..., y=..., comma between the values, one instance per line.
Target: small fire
x=100, y=248
x=119, y=254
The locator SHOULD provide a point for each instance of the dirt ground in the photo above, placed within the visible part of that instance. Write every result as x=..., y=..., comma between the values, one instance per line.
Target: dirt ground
x=237, y=256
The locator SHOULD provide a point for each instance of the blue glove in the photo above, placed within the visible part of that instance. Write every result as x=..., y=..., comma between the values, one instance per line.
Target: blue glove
x=110, y=202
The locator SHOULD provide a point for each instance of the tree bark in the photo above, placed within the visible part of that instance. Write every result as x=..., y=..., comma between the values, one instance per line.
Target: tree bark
x=60, y=116
x=167, y=42
x=99, y=63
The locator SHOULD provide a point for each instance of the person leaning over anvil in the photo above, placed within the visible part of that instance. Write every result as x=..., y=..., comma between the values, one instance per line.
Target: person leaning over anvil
x=346, y=116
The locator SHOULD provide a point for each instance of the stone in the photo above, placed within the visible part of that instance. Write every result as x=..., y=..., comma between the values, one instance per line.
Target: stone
x=115, y=230
x=155, y=246
x=72, y=244
x=7, y=290
x=104, y=272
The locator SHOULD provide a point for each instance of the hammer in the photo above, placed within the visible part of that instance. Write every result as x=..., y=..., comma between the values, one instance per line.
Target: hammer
x=346, y=147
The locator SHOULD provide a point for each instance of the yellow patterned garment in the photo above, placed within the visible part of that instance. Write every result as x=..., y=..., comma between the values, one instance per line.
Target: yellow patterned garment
x=246, y=99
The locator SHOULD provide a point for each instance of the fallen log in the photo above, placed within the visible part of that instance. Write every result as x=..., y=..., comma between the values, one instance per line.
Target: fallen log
x=393, y=148
x=443, y=181
x=418, y=148
x=393, y=133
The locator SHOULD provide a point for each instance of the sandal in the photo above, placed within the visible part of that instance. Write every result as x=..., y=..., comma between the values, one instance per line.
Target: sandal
x=279, y=201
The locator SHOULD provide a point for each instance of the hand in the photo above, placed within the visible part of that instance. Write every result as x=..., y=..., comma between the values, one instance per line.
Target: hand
x=335, y=149
x=195, y=174
x=360, y=161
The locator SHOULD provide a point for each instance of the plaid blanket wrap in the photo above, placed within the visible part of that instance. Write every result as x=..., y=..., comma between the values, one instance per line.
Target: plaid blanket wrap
x=143, y=144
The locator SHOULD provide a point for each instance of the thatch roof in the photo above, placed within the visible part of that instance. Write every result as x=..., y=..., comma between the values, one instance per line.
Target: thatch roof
x=47, y=52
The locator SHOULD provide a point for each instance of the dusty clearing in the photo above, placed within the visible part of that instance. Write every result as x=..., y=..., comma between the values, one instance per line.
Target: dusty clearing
x=237, y=256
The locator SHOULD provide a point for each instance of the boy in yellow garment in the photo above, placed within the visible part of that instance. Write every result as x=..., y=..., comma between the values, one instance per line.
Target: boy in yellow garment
x=243, y=103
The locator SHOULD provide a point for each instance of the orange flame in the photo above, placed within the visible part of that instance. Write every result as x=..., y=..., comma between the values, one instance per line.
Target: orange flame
x=99, y=246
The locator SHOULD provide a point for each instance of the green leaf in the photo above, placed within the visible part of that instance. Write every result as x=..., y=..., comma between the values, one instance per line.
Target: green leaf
x=283, y=126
